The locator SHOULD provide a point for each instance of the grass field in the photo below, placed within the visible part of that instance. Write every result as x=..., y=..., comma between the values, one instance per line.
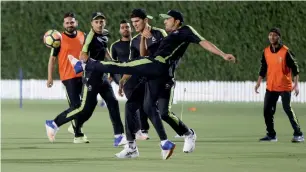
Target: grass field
x=227, y=142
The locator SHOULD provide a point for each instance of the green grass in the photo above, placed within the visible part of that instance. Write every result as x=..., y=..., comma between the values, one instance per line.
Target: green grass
x=227, y=141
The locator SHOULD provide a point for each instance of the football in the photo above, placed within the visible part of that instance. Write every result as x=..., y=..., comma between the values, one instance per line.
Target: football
x=52, y=38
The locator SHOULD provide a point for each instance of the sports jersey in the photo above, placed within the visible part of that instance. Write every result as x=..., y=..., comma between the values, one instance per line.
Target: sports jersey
x=120, y=50
x=70, y=44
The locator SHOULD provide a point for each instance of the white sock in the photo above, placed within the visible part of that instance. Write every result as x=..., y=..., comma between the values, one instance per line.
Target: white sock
x=163, y=142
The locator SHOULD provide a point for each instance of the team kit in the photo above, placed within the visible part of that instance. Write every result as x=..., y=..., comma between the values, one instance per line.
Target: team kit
x=144, y=67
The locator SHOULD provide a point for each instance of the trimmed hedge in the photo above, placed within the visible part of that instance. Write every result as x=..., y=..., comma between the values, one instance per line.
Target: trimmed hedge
x=240, y=28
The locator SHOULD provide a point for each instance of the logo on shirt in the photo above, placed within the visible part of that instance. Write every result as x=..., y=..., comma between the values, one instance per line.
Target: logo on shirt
x=102, y=39
x=153, y=39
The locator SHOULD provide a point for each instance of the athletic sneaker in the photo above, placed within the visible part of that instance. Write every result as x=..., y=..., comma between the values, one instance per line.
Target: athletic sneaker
x=103, y=104
x=167, y=149
x=120, y=140
x=71, y=130
x=189, y=144
x=80, y=140
x=297, y=139
x=51, y=129
x=128, y=152
x=268, y=139
x=141, y=136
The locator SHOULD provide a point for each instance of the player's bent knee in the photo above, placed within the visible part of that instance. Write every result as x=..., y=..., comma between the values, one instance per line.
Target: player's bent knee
x=77, y=105
x=164, y=115
x=72, y=109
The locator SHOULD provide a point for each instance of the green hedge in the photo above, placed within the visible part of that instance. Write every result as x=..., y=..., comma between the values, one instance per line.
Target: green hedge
x=236, y=27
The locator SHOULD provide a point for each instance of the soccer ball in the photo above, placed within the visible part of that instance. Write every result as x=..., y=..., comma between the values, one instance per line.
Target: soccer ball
x=52, y=38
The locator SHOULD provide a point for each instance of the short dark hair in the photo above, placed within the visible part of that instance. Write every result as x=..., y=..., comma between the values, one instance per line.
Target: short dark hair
x=141, y=13
x=123, y=21
x=69, y=14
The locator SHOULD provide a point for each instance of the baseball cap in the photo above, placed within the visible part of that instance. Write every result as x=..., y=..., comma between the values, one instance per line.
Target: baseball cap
x=141, y=13
x=173, y=13
x=96, y=15
x=276, y=30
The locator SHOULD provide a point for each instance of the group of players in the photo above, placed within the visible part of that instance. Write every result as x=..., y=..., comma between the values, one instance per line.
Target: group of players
x=143, y=67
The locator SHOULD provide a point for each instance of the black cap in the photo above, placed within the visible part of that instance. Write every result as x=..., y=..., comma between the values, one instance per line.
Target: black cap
x=141, y=13
x=173, y=13
x=276, y=30
x=96, y=15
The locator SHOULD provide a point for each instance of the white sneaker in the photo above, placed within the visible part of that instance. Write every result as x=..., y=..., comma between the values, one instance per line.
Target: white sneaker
x=189, y=144
x=167, y=149
x=80, y=140
x=71, y=130
x=141, y=136
x=128, y=152
x=51, y=130
x=297, y=139
x=120, y=140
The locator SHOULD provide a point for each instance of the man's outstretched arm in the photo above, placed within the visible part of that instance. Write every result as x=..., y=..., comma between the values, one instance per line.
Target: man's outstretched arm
x=195, y=37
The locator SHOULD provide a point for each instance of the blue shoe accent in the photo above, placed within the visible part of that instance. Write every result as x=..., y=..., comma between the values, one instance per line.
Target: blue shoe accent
x=117, y=140
x=168, y=145
x=78, y=67
x=50, y=124
x=103, y=104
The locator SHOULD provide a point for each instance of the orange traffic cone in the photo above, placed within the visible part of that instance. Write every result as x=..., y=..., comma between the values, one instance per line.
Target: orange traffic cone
x=192, y=109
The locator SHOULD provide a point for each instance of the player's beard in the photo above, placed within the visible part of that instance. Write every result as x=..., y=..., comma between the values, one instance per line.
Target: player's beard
x=126, y=34
x=70, y=30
